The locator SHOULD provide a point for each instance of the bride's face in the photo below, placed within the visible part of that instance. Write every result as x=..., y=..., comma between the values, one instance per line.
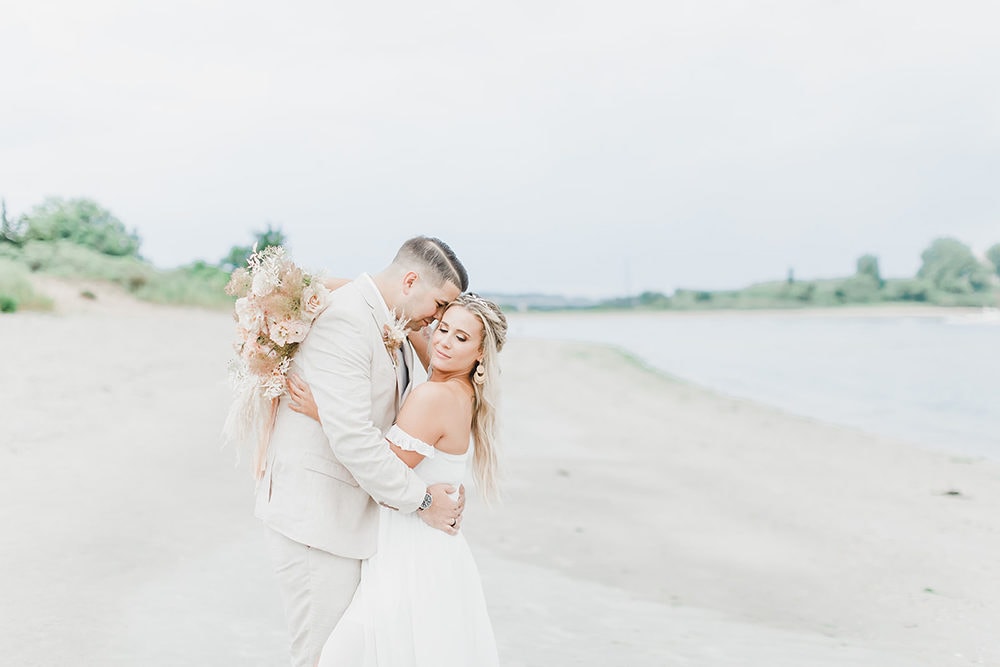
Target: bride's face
x=456, y=341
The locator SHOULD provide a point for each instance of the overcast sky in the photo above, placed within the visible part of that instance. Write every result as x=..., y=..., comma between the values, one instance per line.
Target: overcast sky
x=583, y=147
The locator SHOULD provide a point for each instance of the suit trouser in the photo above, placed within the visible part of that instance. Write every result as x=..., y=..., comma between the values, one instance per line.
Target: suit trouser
x=316, y=588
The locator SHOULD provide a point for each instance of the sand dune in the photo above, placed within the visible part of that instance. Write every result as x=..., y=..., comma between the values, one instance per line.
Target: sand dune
x=646, y=522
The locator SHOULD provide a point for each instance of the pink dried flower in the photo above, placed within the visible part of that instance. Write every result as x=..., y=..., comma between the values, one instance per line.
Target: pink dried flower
x=249, y=315
x=314, y=300
x=287, y=331
x=239, y=283
x=277, y=304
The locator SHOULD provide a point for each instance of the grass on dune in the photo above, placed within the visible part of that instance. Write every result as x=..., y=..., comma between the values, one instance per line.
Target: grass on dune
x=198, y=284
x=16, y=290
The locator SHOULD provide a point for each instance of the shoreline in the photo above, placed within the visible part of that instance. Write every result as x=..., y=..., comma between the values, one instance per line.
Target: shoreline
x=65, y=292
x=640, y=363
x=771, y=519
x=880, y=310
x=882, y=366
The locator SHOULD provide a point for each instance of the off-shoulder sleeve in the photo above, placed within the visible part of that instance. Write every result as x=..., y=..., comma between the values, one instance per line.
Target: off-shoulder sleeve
x=404, y=440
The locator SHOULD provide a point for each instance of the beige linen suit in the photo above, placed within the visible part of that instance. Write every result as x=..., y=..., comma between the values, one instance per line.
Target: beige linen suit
x=317, y=491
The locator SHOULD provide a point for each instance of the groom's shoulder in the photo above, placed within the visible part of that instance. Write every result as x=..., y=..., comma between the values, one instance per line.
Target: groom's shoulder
x=346, y=303
x=347, y=295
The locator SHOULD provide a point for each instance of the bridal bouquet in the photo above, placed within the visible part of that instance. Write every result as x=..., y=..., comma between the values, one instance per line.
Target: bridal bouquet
x=275, y=307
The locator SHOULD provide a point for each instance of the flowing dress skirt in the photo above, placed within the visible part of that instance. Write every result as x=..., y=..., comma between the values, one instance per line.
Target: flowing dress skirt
x=419, y=604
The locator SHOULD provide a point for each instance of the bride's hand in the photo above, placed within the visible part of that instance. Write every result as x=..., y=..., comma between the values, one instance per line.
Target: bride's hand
x=444, y=513
x=300, y=398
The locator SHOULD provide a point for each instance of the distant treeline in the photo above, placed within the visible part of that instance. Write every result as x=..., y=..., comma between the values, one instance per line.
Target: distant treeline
x=950, y=275
x=80, y=239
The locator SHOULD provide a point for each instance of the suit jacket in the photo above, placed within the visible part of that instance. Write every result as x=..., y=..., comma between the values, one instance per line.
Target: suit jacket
x=320, y=480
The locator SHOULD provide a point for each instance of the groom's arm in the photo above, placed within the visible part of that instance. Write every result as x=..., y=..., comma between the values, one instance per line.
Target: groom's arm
x=340, y=377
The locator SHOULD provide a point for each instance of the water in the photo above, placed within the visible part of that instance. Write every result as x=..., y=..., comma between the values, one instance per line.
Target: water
x=929, y=380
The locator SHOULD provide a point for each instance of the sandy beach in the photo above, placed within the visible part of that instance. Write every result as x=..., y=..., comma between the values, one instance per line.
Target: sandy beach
x=645, y=521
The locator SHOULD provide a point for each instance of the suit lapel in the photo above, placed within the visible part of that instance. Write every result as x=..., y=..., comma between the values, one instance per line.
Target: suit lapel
x=377, y=305
x=405, y=383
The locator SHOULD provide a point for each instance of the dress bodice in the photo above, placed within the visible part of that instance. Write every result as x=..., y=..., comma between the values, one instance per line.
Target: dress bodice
x=437, y=466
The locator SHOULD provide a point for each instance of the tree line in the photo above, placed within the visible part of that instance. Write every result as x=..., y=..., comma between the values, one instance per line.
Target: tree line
x=80, y=239
x=85, y=222
x=950, y=274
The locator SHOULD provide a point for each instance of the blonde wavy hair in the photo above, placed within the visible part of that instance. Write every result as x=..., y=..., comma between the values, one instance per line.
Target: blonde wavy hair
x=485, y=376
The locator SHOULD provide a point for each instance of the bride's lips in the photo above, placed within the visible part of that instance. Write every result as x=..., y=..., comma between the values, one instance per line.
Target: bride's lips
x=441, y=354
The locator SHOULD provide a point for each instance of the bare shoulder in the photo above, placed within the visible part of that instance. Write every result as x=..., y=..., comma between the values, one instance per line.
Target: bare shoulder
x=438, y=413
x=424, y=411
x=431, y=396
x=437, y=402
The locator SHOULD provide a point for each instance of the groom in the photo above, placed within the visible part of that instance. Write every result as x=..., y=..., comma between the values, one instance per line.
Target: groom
x=322, y=480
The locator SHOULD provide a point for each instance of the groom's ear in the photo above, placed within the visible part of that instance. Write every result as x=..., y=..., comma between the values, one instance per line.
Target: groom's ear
x=409, y=280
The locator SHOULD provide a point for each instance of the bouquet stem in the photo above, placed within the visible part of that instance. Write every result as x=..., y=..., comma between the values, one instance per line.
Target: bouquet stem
x=264, y=439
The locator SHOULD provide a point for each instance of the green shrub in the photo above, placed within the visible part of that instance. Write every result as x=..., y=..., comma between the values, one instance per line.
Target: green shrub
x=654, y=300
x=10, y=251
x=976, y=299
x=16, y=290
x=80, y=221
x=907, y=290
x=950, y=266
x=198, y=284
x=70, y=260
x=993, y=255
x=859, y=288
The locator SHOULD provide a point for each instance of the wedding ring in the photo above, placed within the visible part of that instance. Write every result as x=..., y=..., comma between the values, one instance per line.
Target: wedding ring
x=453, y=522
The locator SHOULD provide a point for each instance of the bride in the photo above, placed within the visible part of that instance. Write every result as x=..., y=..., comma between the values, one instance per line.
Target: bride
x=419, y=575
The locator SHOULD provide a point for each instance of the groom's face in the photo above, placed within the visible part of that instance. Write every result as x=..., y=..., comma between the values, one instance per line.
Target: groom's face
x=425, y=302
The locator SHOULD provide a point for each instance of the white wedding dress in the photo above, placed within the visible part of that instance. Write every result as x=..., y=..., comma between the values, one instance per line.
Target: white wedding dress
x=420, y=601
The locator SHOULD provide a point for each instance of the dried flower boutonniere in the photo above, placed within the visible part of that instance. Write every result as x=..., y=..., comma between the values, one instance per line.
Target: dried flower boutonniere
x=393, y=335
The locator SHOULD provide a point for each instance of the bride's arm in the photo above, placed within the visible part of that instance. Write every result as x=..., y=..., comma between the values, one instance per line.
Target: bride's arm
x=335, y=283
x=419, y=418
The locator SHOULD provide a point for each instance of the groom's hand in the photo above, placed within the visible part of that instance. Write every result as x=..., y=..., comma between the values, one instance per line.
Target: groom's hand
x=444, y=513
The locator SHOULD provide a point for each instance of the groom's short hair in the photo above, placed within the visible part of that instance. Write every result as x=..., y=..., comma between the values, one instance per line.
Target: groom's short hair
x=438, y=257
